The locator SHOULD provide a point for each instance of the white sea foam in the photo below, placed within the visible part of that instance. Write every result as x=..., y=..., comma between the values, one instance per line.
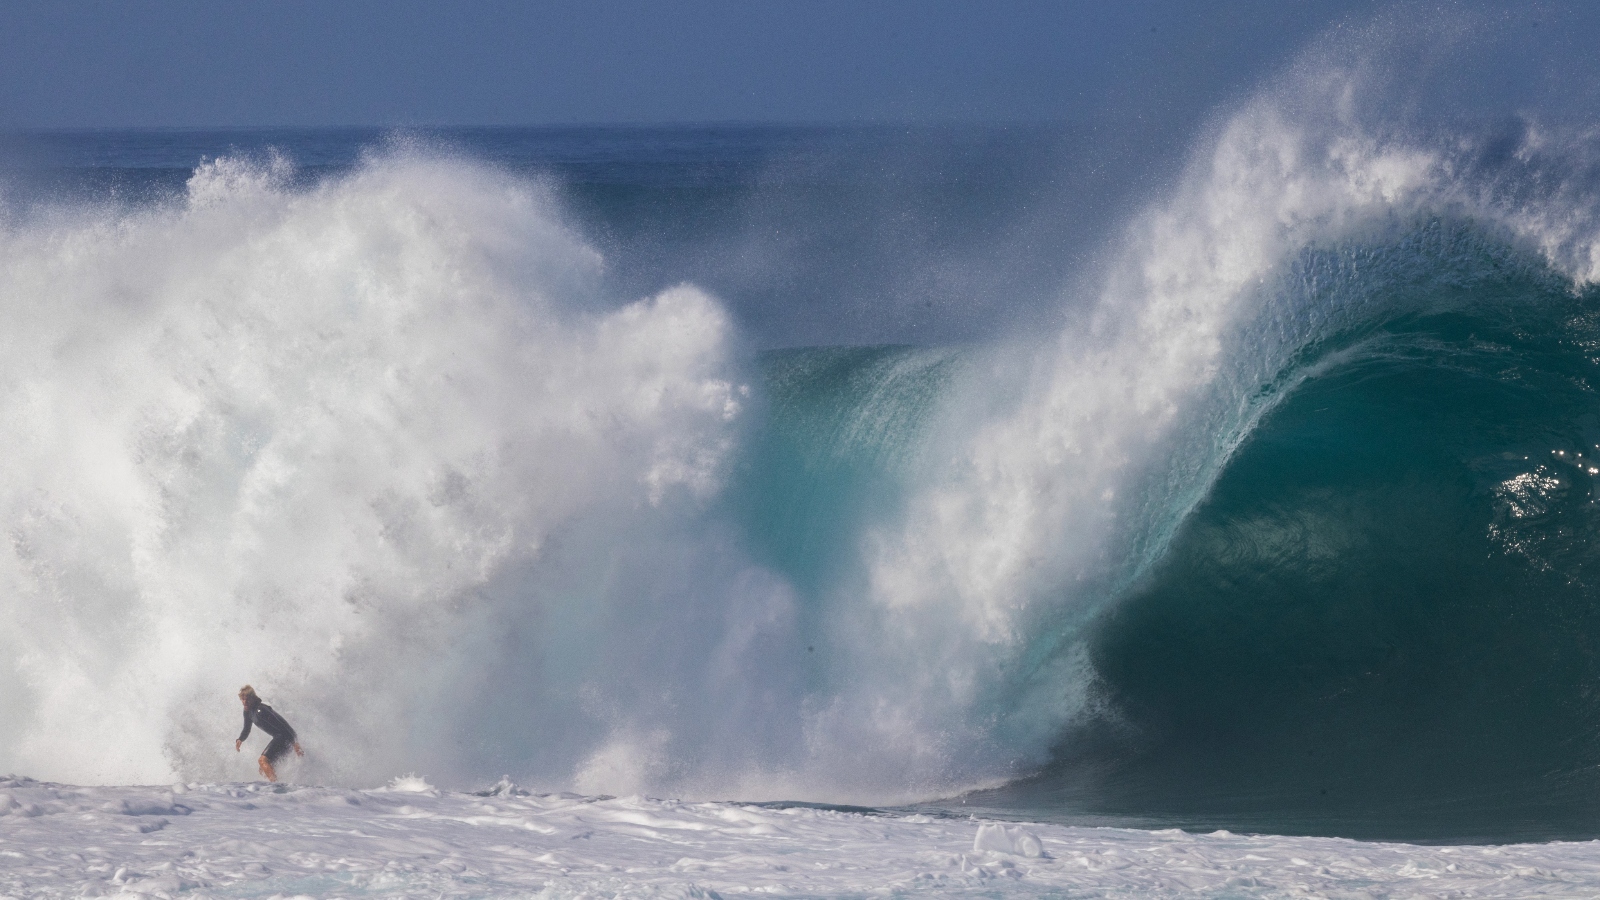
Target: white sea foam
x=258, y=840
x=375, y=447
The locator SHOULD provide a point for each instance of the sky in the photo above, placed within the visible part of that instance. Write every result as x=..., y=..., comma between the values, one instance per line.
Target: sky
x=179, y=63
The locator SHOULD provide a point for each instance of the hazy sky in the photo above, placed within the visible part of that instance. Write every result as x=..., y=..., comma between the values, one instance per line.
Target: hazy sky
x=76, y=63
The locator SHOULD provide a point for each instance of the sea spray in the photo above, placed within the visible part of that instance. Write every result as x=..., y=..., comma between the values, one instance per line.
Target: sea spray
x=298, y=438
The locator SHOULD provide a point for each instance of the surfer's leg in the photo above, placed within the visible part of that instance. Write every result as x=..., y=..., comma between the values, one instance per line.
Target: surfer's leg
x=276, y=750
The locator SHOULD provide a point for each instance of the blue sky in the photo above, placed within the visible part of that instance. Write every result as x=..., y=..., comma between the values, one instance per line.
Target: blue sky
x=72, y=63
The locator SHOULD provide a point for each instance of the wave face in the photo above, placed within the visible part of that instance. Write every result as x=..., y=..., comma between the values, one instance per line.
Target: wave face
x=1277, y=516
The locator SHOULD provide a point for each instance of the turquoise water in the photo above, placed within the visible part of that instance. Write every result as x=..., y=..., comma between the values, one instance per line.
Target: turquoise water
x=841, y=435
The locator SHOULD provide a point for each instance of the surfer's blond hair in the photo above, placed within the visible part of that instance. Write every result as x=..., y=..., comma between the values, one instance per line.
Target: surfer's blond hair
x=248, y=691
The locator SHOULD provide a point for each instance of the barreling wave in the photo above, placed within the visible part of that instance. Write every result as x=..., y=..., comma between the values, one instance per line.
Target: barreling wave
x=1308, y=221
x=1379, y=620
x=381, y=446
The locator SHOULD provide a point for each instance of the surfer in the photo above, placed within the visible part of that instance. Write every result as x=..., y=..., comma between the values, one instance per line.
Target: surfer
x=267, y=719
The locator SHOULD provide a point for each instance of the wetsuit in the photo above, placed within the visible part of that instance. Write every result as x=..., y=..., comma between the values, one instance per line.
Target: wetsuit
x=267, y=719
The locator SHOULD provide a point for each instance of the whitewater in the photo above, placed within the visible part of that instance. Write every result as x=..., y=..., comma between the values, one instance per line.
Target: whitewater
x=492, y=460
x=412, y=840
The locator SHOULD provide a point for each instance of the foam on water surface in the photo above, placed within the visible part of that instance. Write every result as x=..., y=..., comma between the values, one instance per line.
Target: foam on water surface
x=260, y=840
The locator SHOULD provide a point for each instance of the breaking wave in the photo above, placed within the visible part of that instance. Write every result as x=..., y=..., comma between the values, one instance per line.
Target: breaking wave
x=383, y=446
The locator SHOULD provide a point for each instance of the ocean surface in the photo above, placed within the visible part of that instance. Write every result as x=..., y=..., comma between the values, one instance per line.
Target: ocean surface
x=409, y=839
x=1043, y=473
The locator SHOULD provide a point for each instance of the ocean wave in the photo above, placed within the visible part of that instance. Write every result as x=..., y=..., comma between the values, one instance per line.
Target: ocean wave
x=380, y=443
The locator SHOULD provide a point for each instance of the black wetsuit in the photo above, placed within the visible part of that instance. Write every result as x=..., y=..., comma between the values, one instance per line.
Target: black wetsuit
x=267, y=719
